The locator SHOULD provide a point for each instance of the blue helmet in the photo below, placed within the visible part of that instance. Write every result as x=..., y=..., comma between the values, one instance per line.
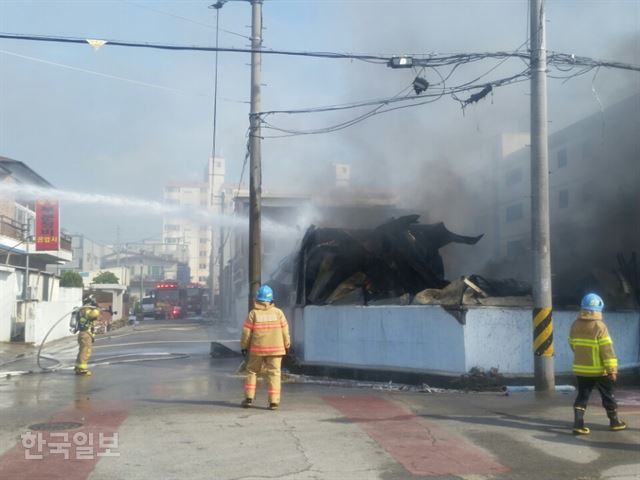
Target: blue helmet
x=264, y=294
x=592, y=302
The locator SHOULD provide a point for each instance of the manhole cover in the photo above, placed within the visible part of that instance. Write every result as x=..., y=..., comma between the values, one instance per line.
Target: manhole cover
x=55, y=426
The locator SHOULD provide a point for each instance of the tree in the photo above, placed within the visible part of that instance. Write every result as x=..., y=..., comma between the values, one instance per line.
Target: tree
x=106, y=277
x=71, y=279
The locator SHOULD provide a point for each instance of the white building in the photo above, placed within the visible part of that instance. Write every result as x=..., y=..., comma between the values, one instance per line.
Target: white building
x=27, y=313
x=201, y=238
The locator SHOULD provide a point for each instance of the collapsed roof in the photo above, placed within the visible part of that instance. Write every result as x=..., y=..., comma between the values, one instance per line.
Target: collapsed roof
x=398, y=258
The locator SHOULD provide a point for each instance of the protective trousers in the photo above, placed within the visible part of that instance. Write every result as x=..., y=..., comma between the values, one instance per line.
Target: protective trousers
x=85, y=340
x=604, y=386
x=269, y=366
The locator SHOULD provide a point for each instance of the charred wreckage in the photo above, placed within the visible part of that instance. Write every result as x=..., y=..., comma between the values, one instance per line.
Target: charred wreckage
x=396, y=263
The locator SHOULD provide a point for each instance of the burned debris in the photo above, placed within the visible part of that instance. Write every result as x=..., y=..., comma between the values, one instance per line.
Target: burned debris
x=396, y=263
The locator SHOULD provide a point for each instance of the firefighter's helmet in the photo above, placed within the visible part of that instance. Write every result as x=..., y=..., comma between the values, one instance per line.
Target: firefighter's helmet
x=90, y=300
x=92, y=313
x=265, y=294
x=592, y=302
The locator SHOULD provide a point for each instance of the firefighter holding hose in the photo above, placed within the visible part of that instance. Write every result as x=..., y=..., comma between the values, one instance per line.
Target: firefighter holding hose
x=86, y=317
x=265, y=338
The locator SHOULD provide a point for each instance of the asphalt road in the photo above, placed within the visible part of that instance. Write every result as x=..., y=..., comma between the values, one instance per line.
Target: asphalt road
x=158, y=406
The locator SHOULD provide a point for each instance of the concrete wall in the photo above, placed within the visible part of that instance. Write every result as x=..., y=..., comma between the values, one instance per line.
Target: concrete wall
x=41, y=316
x=8, y=292
x=428, y=339
x=407, y=338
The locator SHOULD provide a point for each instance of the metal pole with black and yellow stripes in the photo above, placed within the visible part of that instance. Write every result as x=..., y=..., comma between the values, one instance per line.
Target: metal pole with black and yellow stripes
x=540, y=229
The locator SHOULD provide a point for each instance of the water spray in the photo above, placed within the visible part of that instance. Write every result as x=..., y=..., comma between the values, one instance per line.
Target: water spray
x=136, y=206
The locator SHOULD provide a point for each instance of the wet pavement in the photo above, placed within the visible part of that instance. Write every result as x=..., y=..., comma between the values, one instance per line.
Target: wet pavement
x=158, y=406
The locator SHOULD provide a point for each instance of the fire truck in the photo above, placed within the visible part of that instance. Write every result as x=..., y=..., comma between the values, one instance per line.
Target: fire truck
x=197, y=298
x=170, y=300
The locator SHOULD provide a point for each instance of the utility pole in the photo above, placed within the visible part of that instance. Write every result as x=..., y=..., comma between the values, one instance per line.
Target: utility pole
x=255, y=154
x=540, y=230
x=212, y=266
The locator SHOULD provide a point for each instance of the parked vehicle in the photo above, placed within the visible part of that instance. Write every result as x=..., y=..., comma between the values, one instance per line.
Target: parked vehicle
x=147, y=306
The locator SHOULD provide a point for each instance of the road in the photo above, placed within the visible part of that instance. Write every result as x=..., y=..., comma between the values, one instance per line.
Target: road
x=176, y=415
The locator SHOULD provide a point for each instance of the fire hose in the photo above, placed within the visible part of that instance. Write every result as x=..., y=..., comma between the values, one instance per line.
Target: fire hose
x=112, y=360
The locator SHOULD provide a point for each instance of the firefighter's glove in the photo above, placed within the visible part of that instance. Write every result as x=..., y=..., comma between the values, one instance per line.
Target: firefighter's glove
x=613, y=377
x=244, y=352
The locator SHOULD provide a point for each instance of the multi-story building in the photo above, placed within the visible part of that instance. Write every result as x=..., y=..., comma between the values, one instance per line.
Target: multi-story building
x=87, y=254
x=17, y=220
x=29, y=293
x=199, y=235
x=594, y=201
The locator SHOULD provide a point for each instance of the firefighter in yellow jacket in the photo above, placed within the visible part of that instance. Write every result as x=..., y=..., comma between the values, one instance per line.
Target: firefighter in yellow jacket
x=594, y=363
x=87, y=315
x=265, y=338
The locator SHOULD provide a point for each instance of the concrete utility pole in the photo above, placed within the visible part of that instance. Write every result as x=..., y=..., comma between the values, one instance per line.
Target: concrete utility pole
x=212, y=263
x=540, y=236
x=255, y=168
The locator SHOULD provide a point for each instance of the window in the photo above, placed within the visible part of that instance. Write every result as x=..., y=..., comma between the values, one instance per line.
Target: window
x=562, y=158
x=513, y=177
x=563, y=198
x=172, y=189
x=157, y=272
x=171, y=228
x=203, y=253
x=203, y=266
x=514, y=213
x=203, y=279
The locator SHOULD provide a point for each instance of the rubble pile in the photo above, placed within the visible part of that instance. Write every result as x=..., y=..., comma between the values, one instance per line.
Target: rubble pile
x=396, y=263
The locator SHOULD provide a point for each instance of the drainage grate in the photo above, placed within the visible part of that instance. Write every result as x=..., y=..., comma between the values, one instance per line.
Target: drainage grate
x=51, y=426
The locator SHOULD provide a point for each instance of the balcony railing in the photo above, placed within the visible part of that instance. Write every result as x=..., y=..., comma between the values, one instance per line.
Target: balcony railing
x=11, y=228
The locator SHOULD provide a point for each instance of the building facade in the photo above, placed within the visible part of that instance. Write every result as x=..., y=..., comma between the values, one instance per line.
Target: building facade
x=193, y=229
x=594, y=201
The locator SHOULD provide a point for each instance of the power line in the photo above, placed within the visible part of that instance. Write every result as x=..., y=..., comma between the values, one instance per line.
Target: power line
x=423, y=60
x=186, y=19
x=194, y=48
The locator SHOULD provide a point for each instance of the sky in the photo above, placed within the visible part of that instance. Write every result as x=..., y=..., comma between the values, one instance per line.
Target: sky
x=144, y=118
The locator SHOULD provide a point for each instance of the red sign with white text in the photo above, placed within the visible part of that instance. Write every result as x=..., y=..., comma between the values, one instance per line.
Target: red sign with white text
x=47, y=225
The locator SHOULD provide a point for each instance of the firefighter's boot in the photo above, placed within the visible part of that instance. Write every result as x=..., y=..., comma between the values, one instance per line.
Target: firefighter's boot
x=83, y=371
x=578, y=422
x=247, y=403
x=615, y=423
x=274, y=406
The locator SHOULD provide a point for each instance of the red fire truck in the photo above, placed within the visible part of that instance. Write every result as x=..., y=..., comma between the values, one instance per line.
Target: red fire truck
x=170, y=300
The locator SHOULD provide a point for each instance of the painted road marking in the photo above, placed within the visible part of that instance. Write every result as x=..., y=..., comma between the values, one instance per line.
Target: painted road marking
x=97, y=418
x=418, y=445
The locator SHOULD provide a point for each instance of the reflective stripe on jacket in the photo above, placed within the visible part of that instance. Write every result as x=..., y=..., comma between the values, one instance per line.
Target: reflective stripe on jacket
x=593, y=354
x=265, y=331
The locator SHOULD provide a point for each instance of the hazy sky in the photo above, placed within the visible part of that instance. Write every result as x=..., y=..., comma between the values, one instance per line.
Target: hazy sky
x=132, y=134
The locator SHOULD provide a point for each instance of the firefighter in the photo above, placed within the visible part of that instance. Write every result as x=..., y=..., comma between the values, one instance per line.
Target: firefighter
x=87, y=315
x=265, y=338
x=594, y=363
